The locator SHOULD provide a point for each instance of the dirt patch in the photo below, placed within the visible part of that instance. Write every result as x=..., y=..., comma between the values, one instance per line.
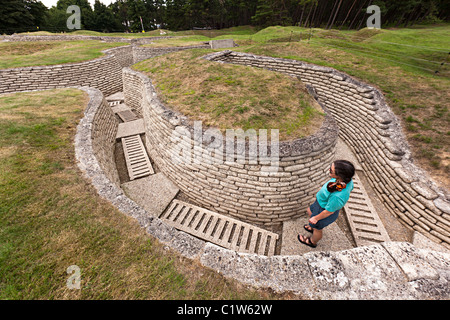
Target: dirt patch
x=25, y=48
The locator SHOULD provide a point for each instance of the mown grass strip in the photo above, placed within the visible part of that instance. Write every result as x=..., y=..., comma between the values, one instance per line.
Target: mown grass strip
x=52, y=218
x=38, y=53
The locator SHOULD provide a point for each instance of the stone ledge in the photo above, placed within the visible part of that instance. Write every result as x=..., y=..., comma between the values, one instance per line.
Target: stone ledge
x=360, y=273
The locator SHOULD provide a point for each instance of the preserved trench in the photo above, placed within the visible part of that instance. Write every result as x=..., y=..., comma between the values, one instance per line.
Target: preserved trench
x=371, y=270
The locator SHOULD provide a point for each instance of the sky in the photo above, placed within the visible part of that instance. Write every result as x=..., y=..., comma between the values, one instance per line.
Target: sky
x=50, y=3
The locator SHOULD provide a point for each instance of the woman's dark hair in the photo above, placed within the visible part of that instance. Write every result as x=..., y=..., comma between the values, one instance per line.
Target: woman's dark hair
x=344, y=169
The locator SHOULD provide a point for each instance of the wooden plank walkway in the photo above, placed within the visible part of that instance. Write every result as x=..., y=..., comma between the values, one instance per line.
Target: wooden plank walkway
x=136, y=158
x=363, y=219
x=219, y=229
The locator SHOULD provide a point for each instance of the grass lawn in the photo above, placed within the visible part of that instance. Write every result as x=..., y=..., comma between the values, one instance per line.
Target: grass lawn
x=229, y=96
x=38, y=53
x=178, y=42
x=51, y=218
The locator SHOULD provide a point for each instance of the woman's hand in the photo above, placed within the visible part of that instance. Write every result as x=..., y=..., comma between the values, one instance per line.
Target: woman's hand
x=313, y=220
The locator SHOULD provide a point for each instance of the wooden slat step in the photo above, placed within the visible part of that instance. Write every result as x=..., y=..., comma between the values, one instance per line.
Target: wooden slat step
x=363, y=219
x=219, y=229
x=138, y=163
x=114, y=103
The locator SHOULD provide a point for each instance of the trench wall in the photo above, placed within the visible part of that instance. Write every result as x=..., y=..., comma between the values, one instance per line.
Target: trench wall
x=103, y=73
x=374, y=134
x=103, y=134
x=243, y=189
x=142, y=53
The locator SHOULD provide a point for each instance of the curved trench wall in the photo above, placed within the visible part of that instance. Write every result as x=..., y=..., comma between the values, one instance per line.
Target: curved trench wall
x=103, y=73
x=245, y=190
x=373, y=132
x=103, y=134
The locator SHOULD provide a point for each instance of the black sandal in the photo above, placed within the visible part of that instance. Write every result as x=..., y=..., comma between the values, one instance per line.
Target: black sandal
x=307, y=242
x=306, y=228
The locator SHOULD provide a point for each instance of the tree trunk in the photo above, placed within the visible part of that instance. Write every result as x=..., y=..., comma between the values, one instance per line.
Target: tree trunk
x=400, y=20
x=357, y=14
x=307, y=18
x=410, y=17
x=322, y=10
x=301, y=16
x=417, y=16
x=314, y=15
x=331, y=15
x=348, y=13
x=364, y=16
x=295, y=15
x=335, y=15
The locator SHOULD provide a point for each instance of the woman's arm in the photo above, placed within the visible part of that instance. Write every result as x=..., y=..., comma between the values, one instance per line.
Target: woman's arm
x=320, y=216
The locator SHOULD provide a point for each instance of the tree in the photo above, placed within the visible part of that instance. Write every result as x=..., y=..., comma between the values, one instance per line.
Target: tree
x=87, y=15
x=125, y=15
x=21, y=15
x=264, y=14
x=120, y=12
x=335, y=14
x=38, y=10
x=56, y=20
x=103, y=18
x=348, y=13
x=272, y=12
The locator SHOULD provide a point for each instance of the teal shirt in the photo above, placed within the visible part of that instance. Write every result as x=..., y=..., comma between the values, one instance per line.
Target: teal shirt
x=333, y=201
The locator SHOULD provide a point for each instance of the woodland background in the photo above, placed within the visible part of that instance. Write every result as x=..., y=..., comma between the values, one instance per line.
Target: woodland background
x=125, y=15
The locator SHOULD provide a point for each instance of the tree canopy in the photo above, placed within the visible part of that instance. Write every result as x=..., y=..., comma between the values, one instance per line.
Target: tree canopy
x=126, y=15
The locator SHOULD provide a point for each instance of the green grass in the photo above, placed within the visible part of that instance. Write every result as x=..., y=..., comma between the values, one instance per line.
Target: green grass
x=37, y=53
x=179, y=41
x=51, y=218
x=229, y=96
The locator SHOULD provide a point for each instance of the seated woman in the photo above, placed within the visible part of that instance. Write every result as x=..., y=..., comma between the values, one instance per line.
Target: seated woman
x=330, y=199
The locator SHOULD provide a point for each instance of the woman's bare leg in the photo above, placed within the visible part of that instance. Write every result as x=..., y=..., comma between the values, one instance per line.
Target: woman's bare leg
x=317, y=235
